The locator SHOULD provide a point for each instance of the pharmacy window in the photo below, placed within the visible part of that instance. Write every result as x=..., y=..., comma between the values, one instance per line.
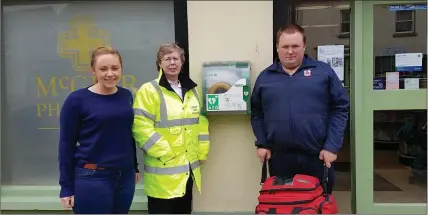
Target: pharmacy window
x=44, y=64
x=405, y=21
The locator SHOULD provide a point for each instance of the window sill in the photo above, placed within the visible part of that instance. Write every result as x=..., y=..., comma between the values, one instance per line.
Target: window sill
x=45, y=198
x=343, y=35
x=405, y=34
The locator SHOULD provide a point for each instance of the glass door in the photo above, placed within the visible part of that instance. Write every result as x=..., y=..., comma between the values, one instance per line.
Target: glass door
x=389, y=130
x=327, y=24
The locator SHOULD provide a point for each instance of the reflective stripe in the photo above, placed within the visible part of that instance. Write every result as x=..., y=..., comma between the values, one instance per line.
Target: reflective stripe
x=164, y=122
x=151, y=141
x=176, y=122
x=171, y=170
x=141, y=112
x=196, y=94
x=204, y=137
x=163, y=112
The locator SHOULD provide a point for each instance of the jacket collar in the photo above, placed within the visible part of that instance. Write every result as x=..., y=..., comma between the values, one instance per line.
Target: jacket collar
x=185, y=81
x=307, y=63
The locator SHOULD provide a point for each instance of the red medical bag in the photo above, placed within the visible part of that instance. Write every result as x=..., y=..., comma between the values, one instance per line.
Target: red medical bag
x=302, y=194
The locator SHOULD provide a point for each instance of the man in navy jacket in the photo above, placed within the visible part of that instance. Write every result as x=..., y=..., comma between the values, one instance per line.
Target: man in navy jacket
x=299, y=111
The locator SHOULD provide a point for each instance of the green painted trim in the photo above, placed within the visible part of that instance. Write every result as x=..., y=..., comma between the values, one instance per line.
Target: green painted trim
x=399, y=208
x=364, y=101
x=399, y=99
x=358, y=104
x=45, y=198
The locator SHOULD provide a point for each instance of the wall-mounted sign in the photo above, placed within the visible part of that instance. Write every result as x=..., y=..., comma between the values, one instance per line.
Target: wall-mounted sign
x=226, y=87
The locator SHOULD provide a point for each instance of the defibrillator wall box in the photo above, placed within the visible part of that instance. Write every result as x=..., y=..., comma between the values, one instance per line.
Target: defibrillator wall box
x=226, y=87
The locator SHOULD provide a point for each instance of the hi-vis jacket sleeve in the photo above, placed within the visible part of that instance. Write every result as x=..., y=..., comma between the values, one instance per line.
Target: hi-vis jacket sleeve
x=203, y=135
x=146, y=106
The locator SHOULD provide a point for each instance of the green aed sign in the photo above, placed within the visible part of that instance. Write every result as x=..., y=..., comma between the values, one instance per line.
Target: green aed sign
x=226, y=87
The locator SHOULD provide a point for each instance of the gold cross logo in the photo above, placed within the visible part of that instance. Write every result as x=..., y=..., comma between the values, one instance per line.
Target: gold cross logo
x=78, y=42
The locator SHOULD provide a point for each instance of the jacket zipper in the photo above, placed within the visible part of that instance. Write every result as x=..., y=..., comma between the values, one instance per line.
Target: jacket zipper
x=290, y=79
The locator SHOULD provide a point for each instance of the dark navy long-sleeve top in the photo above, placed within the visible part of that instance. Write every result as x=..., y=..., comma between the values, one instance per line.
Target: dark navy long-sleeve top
x=306, y=111
x=95, y=129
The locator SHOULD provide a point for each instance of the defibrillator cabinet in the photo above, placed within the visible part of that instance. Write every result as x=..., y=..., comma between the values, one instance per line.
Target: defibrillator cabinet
x=226, y=87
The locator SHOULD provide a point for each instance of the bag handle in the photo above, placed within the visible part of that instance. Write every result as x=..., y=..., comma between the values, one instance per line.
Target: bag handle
x=264, y=172
x=324, y=181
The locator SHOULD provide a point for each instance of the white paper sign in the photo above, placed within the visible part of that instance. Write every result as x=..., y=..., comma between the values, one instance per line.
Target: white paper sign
x=411, y=83
x=333, y=55
x=408, y=62
x=392, y=81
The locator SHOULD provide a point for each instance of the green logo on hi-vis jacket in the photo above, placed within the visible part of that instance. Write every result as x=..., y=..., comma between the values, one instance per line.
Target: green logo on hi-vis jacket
x=212, y=102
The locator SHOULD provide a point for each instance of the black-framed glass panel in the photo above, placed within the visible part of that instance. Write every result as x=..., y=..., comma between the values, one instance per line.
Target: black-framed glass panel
x=327, y=29
x=46, y=54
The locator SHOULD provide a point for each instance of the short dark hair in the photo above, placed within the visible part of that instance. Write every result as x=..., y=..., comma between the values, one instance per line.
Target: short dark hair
x=291, y=28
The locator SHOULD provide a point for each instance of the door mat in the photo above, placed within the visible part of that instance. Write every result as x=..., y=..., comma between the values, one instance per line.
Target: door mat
x=342, y=182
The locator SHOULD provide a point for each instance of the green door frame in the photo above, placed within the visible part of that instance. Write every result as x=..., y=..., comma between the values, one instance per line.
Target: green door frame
x=364, y=101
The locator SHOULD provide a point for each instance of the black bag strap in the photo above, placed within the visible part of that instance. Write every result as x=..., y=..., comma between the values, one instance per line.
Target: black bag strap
x=264, y=172
x=324, y=181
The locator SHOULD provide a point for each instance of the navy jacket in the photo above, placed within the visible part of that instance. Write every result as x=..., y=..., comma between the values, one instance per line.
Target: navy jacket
x=307, y=111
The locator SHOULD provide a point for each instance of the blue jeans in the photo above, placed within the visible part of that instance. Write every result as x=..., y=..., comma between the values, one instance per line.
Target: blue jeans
x=103, y=191
x=290, y=163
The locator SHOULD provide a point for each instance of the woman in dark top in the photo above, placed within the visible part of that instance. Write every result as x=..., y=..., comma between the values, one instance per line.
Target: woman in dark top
x=97, y=153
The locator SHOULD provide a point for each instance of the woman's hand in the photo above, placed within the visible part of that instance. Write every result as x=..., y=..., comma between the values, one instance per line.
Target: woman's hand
x=137, y=178
x=67, y=202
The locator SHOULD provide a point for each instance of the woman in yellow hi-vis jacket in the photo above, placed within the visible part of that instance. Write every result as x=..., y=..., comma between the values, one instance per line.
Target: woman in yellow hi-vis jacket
x=169, y=128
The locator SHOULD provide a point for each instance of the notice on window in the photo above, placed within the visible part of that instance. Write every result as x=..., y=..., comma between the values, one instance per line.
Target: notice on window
x=333, y=55
x=411, y=83
x=407, y=7
x=392, y=80
x=408, y=62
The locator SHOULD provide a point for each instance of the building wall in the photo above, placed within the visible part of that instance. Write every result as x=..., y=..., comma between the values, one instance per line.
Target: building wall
x=322, y=25
x=230, y=30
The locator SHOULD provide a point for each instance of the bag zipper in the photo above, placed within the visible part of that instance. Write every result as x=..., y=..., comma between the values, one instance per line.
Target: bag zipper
x=289, y=189
x=288, y=203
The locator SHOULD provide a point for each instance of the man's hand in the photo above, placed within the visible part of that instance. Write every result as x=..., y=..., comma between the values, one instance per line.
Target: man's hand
x=327, y=157
x=67, y=202
x=262, y=153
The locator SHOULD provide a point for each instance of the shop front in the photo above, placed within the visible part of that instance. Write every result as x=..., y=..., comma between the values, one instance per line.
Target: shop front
x=382, y=165
x=381, y=49
x=46, y=55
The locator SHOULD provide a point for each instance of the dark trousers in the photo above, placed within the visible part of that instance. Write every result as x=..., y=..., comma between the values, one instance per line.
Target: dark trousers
x=179, y=205
x=289, y=163
x=103, y=191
